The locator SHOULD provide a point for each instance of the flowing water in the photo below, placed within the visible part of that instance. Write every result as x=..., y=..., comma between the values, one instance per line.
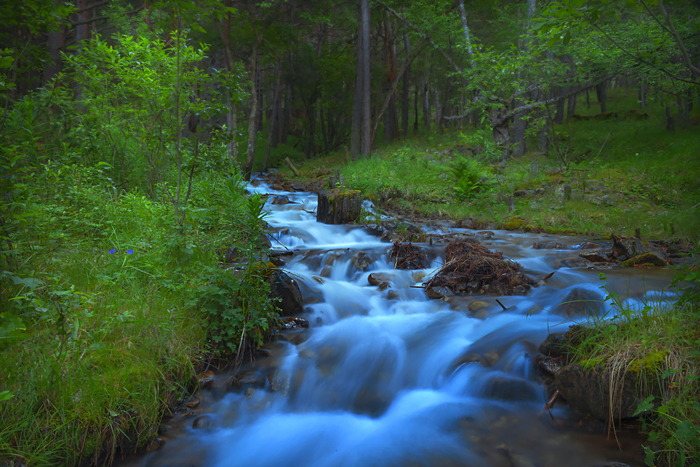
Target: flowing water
x=393, y=378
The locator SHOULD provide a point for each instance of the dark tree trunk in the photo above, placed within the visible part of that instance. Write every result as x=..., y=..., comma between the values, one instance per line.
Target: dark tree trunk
x=426, y=108
x=286, y=115
x=366, y=140
x=559, y=109
x=404, y=94
x=253, y=116
x=670, y=122
x=415, y=110
x=438, y=110
x=274, y=119
x=602, y=94
x=261, y=94
x=54, y=45
x=519, y=129
x=571, y=107
x=361, y=114
x=642, y=94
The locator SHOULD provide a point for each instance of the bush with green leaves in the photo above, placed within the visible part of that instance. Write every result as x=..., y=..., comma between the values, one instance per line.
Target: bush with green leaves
x=468, y=178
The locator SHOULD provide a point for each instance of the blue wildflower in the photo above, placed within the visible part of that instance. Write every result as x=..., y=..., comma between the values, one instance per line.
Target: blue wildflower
x=129, y=252
x=112, y=251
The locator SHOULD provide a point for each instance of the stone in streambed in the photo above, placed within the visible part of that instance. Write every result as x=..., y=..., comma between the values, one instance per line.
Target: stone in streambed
x=579, y=302
x=377, y=278
x=205, y=379
x=287, y=290
x=645, y=258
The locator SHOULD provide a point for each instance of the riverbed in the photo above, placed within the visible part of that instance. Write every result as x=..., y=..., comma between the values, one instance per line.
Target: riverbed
x=385, y=376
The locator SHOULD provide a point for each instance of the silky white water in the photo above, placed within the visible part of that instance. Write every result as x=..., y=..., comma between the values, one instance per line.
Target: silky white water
x=378, y=382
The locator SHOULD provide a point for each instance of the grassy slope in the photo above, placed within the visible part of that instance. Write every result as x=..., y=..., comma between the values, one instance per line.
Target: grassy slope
x=113, y=334
x=651, y=175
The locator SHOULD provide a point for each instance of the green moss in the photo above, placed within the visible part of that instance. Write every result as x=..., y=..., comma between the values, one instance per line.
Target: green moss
x=591, y=363
x=650, y=362
x=644, y=258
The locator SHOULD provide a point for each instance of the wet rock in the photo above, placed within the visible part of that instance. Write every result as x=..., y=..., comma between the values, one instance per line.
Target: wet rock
x=418, y=276
x=392, y=295
x=588, y=392
x=572, y=262
x=297, y=187
x=645, y=258
x=295, y=337
x=254, y=378
x=205, y=379
x=510, y=389
x=326, y=272
x=588, y=246
x=477, y=305
x=595, y=256
x=318, y=279
x=287, y=290
x=202, y=422
x=281, y=200
x=438, y=292
x=279, y=381
x=250, y=392
x=193, y=402
x=377, y=278
x=361, y=260
x=383, y=286
x=549, y=365
x=548, y=246
x=294, y=322
x=466, y=359
x=579, y=302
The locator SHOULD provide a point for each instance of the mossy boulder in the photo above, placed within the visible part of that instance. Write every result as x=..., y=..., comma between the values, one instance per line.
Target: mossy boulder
x=644, y=258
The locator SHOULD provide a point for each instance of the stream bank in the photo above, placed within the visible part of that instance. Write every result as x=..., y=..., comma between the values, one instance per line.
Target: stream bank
x=384, y=375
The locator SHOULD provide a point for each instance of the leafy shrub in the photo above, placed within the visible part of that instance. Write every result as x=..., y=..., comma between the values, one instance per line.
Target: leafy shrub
x=469, y=178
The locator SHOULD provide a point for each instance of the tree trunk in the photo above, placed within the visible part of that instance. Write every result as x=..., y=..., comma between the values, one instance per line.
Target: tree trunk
x=670, y=122
x=560, y=105
x=571, y=107
x=404, y=94
x=253, y=116
x=273, y=120
x=602, y=94
x=259, y=89
x=465, y=30
x=81, y=35
x=438, y=109
x=415, y=110
x=54, y=45
x=366, y=140
x=361, y=114
x=426, y=108
x=286, y=115
x=642, y=94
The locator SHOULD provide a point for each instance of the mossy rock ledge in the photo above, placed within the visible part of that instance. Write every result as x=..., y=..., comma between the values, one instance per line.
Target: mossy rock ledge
x=338, y=206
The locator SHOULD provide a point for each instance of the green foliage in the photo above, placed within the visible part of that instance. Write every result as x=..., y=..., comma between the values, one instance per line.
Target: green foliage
x=469, y=178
